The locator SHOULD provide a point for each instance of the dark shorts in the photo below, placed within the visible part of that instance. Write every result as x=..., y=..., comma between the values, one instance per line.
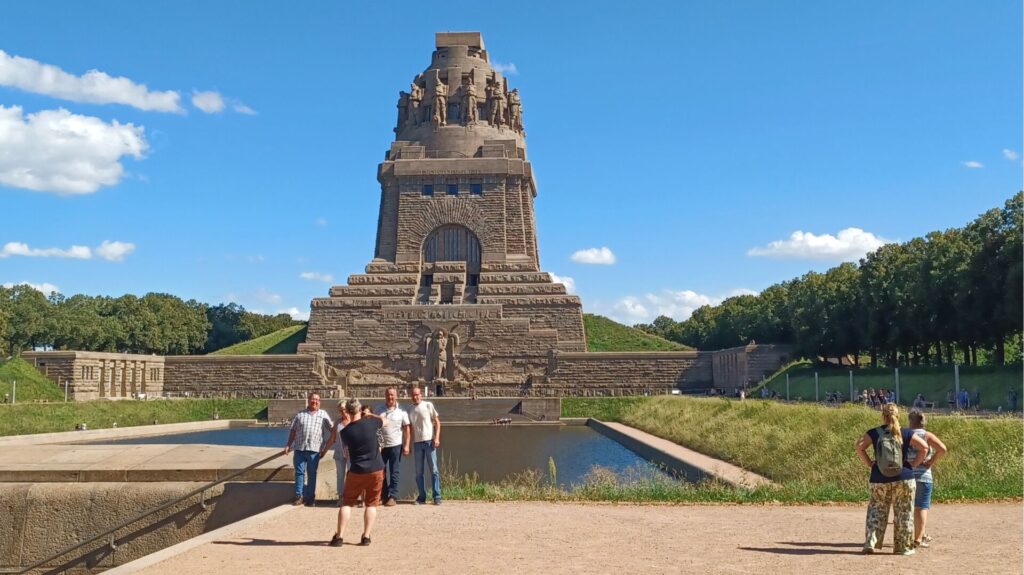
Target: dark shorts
x=367, y=485
x=923, y=496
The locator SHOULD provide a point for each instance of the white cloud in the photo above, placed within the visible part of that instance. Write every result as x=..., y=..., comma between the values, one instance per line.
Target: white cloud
x=848, y=245
x=243, y=109
x=94, y=87
x=568, y=282
x=316, y=276
x=322, y=222
x=296, y=313
x=1010, y=154
x=46, y=288
x=57, y=151
x=973, y=164
x=23, y=249
x=114, y=251
x=210, y=102
x=264, y=296
x=678, y=305
x=507, y=69
x=603, y=256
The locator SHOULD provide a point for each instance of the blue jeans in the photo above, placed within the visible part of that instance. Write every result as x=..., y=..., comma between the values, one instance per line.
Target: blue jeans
x=392, y=457
x=305, y=462
x=425, y=450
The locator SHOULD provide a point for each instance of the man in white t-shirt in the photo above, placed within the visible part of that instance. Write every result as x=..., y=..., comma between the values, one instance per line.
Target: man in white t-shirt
x=394, y=444
x=426, y=437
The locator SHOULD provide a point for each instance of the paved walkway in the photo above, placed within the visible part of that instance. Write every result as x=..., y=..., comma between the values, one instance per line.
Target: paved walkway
x=473, y=537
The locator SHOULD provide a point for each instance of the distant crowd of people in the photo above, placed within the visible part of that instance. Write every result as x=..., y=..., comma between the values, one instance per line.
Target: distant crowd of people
x=368, y=447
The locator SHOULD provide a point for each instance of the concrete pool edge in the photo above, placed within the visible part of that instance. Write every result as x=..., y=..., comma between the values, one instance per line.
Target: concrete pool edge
x=123, y=432
x=679, y=460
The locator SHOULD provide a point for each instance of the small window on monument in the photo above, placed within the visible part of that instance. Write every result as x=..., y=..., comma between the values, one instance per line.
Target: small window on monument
x=476, y=189
x=428, y=190
x=453, y=189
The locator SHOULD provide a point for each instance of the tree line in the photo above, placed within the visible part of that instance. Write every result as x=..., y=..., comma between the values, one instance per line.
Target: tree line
x=951, y=296
x=154, y=323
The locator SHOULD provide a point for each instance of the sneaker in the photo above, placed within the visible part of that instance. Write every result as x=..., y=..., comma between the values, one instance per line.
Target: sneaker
x=926, y=539
x=906, y=552
x=310, y=503
x=923, y=543
x=297, y=501
x=390, y=502
x=364, y=541
x=421, y=502
x=437, y=502
x=335, y=541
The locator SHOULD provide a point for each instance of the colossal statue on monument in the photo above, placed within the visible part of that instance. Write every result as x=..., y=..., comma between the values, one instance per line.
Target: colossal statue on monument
x=456, y=269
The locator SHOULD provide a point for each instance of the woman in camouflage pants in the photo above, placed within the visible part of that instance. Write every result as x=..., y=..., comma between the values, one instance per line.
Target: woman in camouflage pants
x=894, y=490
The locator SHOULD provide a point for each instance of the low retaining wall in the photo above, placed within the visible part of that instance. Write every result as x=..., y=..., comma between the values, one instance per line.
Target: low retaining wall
x=626, y=373
x=450, y=409
x=242, y=376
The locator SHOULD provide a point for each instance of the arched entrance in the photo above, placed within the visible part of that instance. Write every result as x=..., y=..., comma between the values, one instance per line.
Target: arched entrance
x=450, y=243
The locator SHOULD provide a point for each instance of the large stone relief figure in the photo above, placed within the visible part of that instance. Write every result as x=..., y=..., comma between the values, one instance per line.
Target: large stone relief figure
x=440, y=354
x=440, y=103
x=515, y=110
x=412, y=114
x=496, y=101
x=469, y=103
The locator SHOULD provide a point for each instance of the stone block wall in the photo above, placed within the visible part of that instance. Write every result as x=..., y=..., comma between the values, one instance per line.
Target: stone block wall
x=101, y=375
x=243, y=376
x=746, y=365
x=625, y=373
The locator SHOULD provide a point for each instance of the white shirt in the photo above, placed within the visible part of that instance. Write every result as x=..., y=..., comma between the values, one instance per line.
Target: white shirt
x=398, y=418
x=422, y=419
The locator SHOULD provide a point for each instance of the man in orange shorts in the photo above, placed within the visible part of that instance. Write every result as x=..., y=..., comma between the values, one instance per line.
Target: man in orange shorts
x=366, y=469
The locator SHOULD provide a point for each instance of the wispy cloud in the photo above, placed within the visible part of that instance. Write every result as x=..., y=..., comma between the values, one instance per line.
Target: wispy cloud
x=46, y=288
x=296, y=313
x=1009, y=154
x=678, y=305
x=108, y=250
x=316, y=276
x=94, y=87
x=507, y=69
x=322, y=222
x=209, y=102
x=599, y=256
x=973, y=164
x=263, y=296
x=568, y=282
x=848, y=245
x=57, y=151
x=243, y=109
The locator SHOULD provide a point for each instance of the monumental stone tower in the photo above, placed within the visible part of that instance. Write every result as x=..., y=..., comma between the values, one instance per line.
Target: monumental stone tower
x=454, y=293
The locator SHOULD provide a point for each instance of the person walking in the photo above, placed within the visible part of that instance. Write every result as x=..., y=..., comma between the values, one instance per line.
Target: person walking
x=426, y=437
x=395, y=440
x=923, y=475
x=366, y=470
x=892, y=481
x=340, y=456
x=306, y=438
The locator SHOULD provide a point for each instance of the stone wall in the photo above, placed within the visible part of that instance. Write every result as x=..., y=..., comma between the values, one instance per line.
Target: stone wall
x=100, y=375
x=243, y=376
x=625, y=373
x=746, y=365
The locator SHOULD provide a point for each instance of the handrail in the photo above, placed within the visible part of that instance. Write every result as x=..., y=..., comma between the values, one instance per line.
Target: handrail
x=113, y=543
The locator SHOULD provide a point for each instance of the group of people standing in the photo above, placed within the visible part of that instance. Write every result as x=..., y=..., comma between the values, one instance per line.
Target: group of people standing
x=901, y=478
x=368, y=449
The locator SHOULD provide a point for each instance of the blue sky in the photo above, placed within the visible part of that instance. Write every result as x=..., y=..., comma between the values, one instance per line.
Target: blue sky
x=227, y=151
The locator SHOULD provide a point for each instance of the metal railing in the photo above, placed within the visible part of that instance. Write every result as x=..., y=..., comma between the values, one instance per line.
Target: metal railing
x=112, y=544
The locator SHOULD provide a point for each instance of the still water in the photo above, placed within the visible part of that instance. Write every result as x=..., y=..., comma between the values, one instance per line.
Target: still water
x=494, y=452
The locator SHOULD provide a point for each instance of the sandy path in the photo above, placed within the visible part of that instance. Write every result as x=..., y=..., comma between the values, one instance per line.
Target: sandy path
x=470, y=537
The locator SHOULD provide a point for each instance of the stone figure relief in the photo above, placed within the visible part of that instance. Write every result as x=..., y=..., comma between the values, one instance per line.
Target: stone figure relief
x=469, y=103
x=440, y=103
x=496, y=103
x=440, y=354
x=515, y=110
x=325, y=372
x=413, y=100
x=403, y=107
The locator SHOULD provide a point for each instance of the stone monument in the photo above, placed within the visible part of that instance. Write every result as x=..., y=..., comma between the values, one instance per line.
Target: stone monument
x=455, y=291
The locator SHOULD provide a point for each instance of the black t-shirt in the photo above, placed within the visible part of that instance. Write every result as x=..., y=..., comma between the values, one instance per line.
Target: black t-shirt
x=363, y=450
x=907, y=472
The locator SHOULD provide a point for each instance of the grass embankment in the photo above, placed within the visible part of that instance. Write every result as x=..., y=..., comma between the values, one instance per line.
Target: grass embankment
x=933, y=382
x=604, y=334
x=282, y=341
x=32, y=385
x=22, y=419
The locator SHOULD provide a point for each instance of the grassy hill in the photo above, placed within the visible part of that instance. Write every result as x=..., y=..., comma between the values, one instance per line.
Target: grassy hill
x=32, y=385
x=604, y=334
x=282, y=341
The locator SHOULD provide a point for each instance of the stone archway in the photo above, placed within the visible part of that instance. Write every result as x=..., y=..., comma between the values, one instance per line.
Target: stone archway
x=452, y=243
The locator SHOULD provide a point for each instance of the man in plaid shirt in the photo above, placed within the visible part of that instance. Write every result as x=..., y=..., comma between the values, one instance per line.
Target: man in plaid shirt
x=309, y=427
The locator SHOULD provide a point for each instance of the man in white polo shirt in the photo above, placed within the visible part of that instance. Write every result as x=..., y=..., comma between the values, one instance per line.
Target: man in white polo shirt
x=426, y=436
x=394, y=444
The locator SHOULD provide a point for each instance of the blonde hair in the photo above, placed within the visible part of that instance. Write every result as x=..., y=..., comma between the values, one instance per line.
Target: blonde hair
x=891, y=417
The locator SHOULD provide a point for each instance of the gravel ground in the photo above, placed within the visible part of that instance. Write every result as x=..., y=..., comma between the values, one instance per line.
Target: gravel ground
x=474, y=537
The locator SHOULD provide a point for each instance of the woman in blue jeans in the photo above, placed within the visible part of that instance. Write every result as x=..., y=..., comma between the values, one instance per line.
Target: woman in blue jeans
x=923, y=474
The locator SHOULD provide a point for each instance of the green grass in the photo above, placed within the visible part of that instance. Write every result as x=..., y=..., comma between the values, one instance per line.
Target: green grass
x=32, y=385
x=604, y=334
x=934, y=382
x=809, y=448
x=44, y=418
x=282, y=341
